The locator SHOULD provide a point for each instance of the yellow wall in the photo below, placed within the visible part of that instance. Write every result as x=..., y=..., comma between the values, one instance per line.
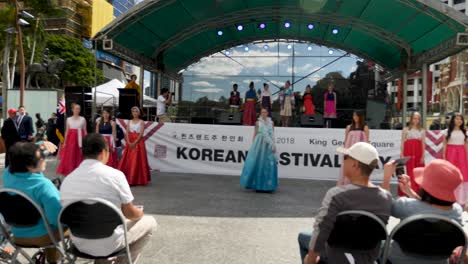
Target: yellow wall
x=102, y=14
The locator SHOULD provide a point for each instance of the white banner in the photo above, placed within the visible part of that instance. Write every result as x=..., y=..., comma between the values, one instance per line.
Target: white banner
x=305, y=153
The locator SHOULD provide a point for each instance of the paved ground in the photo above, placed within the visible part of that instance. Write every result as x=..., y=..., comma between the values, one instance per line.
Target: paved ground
x=208, y=219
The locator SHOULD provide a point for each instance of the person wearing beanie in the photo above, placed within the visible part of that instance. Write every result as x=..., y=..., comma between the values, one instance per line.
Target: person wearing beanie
x=438, y=183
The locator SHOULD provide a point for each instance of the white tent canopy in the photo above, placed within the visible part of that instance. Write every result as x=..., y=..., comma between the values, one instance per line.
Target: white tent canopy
x=107, y=94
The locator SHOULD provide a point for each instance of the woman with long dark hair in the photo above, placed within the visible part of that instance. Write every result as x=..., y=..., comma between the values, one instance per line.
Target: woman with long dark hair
x=308, y=100
x=357, y=131
x=455, y=144
x=412, y=146
x=107, y=127
x=134, y=163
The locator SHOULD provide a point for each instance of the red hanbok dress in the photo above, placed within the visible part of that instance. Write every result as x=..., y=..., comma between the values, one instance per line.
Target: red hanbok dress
x=309, y=108
x=250, y=114
x=105, y=129
x=134, y=163
x=456, y=152
x=70, y=156
x=412, y=148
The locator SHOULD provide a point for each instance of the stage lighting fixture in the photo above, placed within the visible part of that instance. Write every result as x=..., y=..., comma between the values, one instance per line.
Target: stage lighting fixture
x=265, y=47
x=309, y=48
x=220, y=33
x=289, y=46
x=310, y=26
x=262, y=26
x=335, y=31
x=287, y=24
x=240, y=27
x=246, y=48
x=330, y=52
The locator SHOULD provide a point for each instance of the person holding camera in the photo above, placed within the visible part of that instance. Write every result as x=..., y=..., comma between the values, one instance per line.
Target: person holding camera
x=164, y=100
x=437, y=184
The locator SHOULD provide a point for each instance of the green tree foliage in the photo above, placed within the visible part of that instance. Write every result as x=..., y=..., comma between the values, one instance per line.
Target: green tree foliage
x=79, y=62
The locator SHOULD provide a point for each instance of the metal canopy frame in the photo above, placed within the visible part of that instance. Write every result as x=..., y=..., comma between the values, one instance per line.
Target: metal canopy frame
x=275, y=13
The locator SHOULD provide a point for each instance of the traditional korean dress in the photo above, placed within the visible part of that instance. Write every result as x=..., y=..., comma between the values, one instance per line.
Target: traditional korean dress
x=412, y=148
x=105, y=129
x=250, y=115
x=70, y=156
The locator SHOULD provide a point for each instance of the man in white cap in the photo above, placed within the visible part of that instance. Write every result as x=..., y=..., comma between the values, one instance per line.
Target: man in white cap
x=359, y=162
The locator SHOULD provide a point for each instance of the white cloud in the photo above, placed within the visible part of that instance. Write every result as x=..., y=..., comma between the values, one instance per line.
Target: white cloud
x=209, y=90
x=304, y=69
x=248, y=81
x=202, y=84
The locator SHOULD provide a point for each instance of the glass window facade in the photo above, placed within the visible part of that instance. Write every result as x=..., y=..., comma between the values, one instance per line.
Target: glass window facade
x=120, y=6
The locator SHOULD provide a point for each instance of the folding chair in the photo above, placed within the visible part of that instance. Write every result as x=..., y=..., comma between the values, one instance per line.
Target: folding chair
x=427, y=237
x=356, y=231
x=92, y=218
x=20, y=211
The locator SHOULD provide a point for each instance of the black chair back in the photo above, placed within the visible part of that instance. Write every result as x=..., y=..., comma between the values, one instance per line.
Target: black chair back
x=357, y=230
x=18, y=211
x=429, y=238
x=90, y=221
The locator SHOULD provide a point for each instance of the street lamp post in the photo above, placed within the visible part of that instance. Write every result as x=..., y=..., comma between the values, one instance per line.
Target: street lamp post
x=21, y=53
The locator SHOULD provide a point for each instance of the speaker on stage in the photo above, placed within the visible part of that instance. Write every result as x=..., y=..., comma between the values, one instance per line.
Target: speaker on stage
x=312, y=120
x=230, y=118
x=128, y=98
x=80, y=95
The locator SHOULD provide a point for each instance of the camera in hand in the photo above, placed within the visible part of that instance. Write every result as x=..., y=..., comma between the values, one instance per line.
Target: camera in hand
x=400, y=166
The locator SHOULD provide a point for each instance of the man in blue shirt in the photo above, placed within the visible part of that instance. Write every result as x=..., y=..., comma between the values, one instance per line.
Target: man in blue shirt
x=25, y=174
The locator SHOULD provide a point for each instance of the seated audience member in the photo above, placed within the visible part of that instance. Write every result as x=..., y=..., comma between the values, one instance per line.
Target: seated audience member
x=437, y=182
x=25, y=174
x=94, y=179
x=359, y=162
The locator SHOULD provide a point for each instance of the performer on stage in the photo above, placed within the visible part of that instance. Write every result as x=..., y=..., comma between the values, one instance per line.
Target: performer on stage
x=234, y=100
x=356, y=132
x=132, y=84
x=10, y=133
x=412, y=146
x=455, y=144
x=329, y=106
x=286, y=97
x=70, y=154
x=260, y=170
x=266, y=98
x=308, y=100
x=106, y=127
x=134, y=163
x=249, y=116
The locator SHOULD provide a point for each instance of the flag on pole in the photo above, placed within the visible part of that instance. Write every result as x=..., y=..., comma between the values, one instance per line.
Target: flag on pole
x=61, y=109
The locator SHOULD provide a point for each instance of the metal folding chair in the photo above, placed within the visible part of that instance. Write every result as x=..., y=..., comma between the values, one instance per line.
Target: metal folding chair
x=92, y=218
x=20, y=211
x=427, y=237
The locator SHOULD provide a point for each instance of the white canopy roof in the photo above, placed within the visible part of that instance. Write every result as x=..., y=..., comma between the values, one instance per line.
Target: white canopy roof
x=107, y=94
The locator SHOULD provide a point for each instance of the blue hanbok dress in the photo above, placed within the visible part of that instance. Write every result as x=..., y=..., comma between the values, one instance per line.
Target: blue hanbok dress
x=260, y=170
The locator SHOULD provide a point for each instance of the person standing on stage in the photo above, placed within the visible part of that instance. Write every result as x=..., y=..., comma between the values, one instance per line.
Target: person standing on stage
x=455, y=144
x=250, y=115
x=356, y=132
x=308, y=100
x=132, y=84
x=234, y=100
x=412, y=146
x=286, y=97
x=10, y=133
x=266, y=98
x=329, y=105
x=164, y=100
x=134, y=163
x=260, y=170
x=70, y=154
x=24, y=124
x=108, y=128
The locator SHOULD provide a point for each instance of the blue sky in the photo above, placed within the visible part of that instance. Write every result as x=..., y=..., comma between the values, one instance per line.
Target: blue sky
x=213, y=76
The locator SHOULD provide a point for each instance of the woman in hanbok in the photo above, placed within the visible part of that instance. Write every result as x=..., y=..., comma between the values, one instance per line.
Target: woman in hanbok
x=260, y=170
x=70, y=154
x=250, y=114
x=108, y=129
x=412, y=146
x=357, y=131
x=329, y=105
x=286, y=97
x=308, y=100
x=134, y=163
x=456, y=144
x=266, y=98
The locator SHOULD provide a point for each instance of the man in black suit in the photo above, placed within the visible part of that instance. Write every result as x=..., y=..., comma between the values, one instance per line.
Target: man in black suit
x=10, y=133
x=25, y=125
